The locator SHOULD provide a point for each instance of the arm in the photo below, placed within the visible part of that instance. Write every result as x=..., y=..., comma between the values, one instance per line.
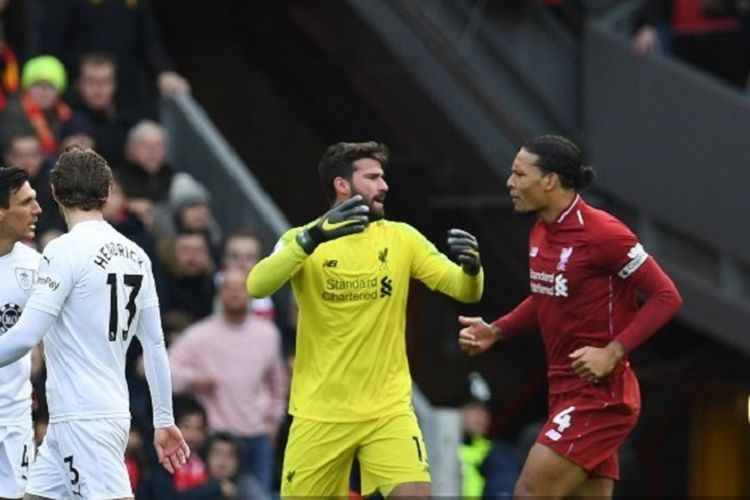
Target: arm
x=170, y=445
x=477, y=336
x=24, y=335
x=272, y=272
x=662, y=302
x=519, y=320
x=464, y=282
x=345, y=218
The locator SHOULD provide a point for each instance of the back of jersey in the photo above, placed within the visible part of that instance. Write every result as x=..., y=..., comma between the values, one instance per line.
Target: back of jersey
x=96, y=282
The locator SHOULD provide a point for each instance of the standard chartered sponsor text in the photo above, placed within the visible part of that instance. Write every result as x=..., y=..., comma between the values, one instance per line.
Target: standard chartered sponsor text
x=350, y=290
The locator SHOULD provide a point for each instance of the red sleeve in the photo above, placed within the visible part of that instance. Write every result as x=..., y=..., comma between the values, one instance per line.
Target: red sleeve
x=662, y=302
x=519, y=320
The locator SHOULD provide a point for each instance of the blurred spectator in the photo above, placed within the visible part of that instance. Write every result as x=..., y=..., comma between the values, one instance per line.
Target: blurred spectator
x=9, y=76
x=191, y=212
x=489, y=468
x=190, y=286
x=94, y=97
x=38, y=109
x=231, y=362
x=711, y=35
x=146, y=176
x=77, y=130
x=117, y=212
x=223, y=458
x=127, y=29
x=25, y=151
x=134, y=455
x=242, y=249
x=159, y=484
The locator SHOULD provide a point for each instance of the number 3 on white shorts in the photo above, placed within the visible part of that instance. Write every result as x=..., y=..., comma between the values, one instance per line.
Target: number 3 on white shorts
x=562, y=420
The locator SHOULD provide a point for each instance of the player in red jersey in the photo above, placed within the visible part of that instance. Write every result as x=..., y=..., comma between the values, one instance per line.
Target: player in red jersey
x=585, y=269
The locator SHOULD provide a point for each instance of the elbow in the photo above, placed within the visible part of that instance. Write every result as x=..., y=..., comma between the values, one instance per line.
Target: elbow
x=256, y=290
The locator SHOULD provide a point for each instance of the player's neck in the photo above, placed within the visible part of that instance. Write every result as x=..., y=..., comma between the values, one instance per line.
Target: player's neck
x=6, y=245
x=75, y=216
x=558, y=202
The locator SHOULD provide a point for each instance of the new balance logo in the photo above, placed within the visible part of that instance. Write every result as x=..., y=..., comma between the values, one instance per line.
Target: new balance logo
x=386, y=287
x=330, y=263
x=290, y=475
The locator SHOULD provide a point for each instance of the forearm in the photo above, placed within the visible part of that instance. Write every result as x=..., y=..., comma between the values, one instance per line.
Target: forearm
x=156, y=365
x=662, y=302
x=271, y=273
x=521, y=319
x=24, y=335
x=461, y=286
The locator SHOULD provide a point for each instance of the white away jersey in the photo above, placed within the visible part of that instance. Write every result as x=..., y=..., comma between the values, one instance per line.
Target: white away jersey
x=96, y=282
x=18, y=270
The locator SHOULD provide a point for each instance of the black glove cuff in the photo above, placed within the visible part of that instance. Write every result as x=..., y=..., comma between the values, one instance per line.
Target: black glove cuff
x=306, y=241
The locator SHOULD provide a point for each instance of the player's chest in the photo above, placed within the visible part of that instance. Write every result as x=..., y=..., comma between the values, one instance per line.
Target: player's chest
x=558, y=267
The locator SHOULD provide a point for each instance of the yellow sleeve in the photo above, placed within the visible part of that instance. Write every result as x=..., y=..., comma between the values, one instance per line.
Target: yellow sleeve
x=272, y=272
x=438, y=272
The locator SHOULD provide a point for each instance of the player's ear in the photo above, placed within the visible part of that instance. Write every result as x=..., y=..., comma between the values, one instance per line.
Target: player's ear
x=342, y=187
x=551, y=181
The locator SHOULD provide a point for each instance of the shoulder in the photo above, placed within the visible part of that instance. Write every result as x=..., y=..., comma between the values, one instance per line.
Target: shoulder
x=25, y=253
x=266, y=325
x=402, y=229
x=602, y=226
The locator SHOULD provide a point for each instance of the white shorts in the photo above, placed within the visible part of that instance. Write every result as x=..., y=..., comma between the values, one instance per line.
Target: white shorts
x=82, y=459
x=16, y=456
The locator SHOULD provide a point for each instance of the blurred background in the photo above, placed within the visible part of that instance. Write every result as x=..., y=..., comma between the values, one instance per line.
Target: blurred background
x=249, y=94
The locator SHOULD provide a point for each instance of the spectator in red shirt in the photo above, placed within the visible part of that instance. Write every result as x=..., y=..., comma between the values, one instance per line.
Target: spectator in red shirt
x=585, y=269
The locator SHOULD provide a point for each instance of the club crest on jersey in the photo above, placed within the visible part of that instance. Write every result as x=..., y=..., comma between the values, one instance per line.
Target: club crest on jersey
x=25, y=278
x=9, y=314
x=534, y=251
x=565, y=254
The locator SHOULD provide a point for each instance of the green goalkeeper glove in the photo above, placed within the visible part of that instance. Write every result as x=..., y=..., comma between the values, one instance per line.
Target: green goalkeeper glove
x=466, y=249
x=347, y=217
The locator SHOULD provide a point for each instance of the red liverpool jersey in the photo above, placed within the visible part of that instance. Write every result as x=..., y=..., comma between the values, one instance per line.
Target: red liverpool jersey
x=583, y=272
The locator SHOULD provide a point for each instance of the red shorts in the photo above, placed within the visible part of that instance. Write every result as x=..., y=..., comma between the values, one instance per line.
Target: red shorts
x=587, y=426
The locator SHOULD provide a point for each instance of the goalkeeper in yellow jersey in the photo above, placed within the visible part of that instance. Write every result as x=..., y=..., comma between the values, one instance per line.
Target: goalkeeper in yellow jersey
x=351, y=387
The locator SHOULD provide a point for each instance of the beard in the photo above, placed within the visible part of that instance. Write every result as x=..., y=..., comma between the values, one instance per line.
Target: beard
x=377, y=212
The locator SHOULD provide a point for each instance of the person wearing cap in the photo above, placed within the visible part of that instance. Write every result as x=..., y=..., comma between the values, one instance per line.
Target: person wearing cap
x=585, y=270
x=38, y=108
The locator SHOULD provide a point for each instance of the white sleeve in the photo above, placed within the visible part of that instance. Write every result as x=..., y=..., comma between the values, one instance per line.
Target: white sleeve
x=157, y=366
x=25, y=334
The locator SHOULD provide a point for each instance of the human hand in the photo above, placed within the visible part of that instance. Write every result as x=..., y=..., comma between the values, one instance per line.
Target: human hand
x=347, y=217
x=171, y=448
x=477, y=336
x=595, y=363
x=171, y=83
x=646, y=41
x=465, y=247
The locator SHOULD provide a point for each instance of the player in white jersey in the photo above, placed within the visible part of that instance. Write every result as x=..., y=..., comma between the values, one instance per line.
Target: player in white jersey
x=94, y=292
x=19, y=211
